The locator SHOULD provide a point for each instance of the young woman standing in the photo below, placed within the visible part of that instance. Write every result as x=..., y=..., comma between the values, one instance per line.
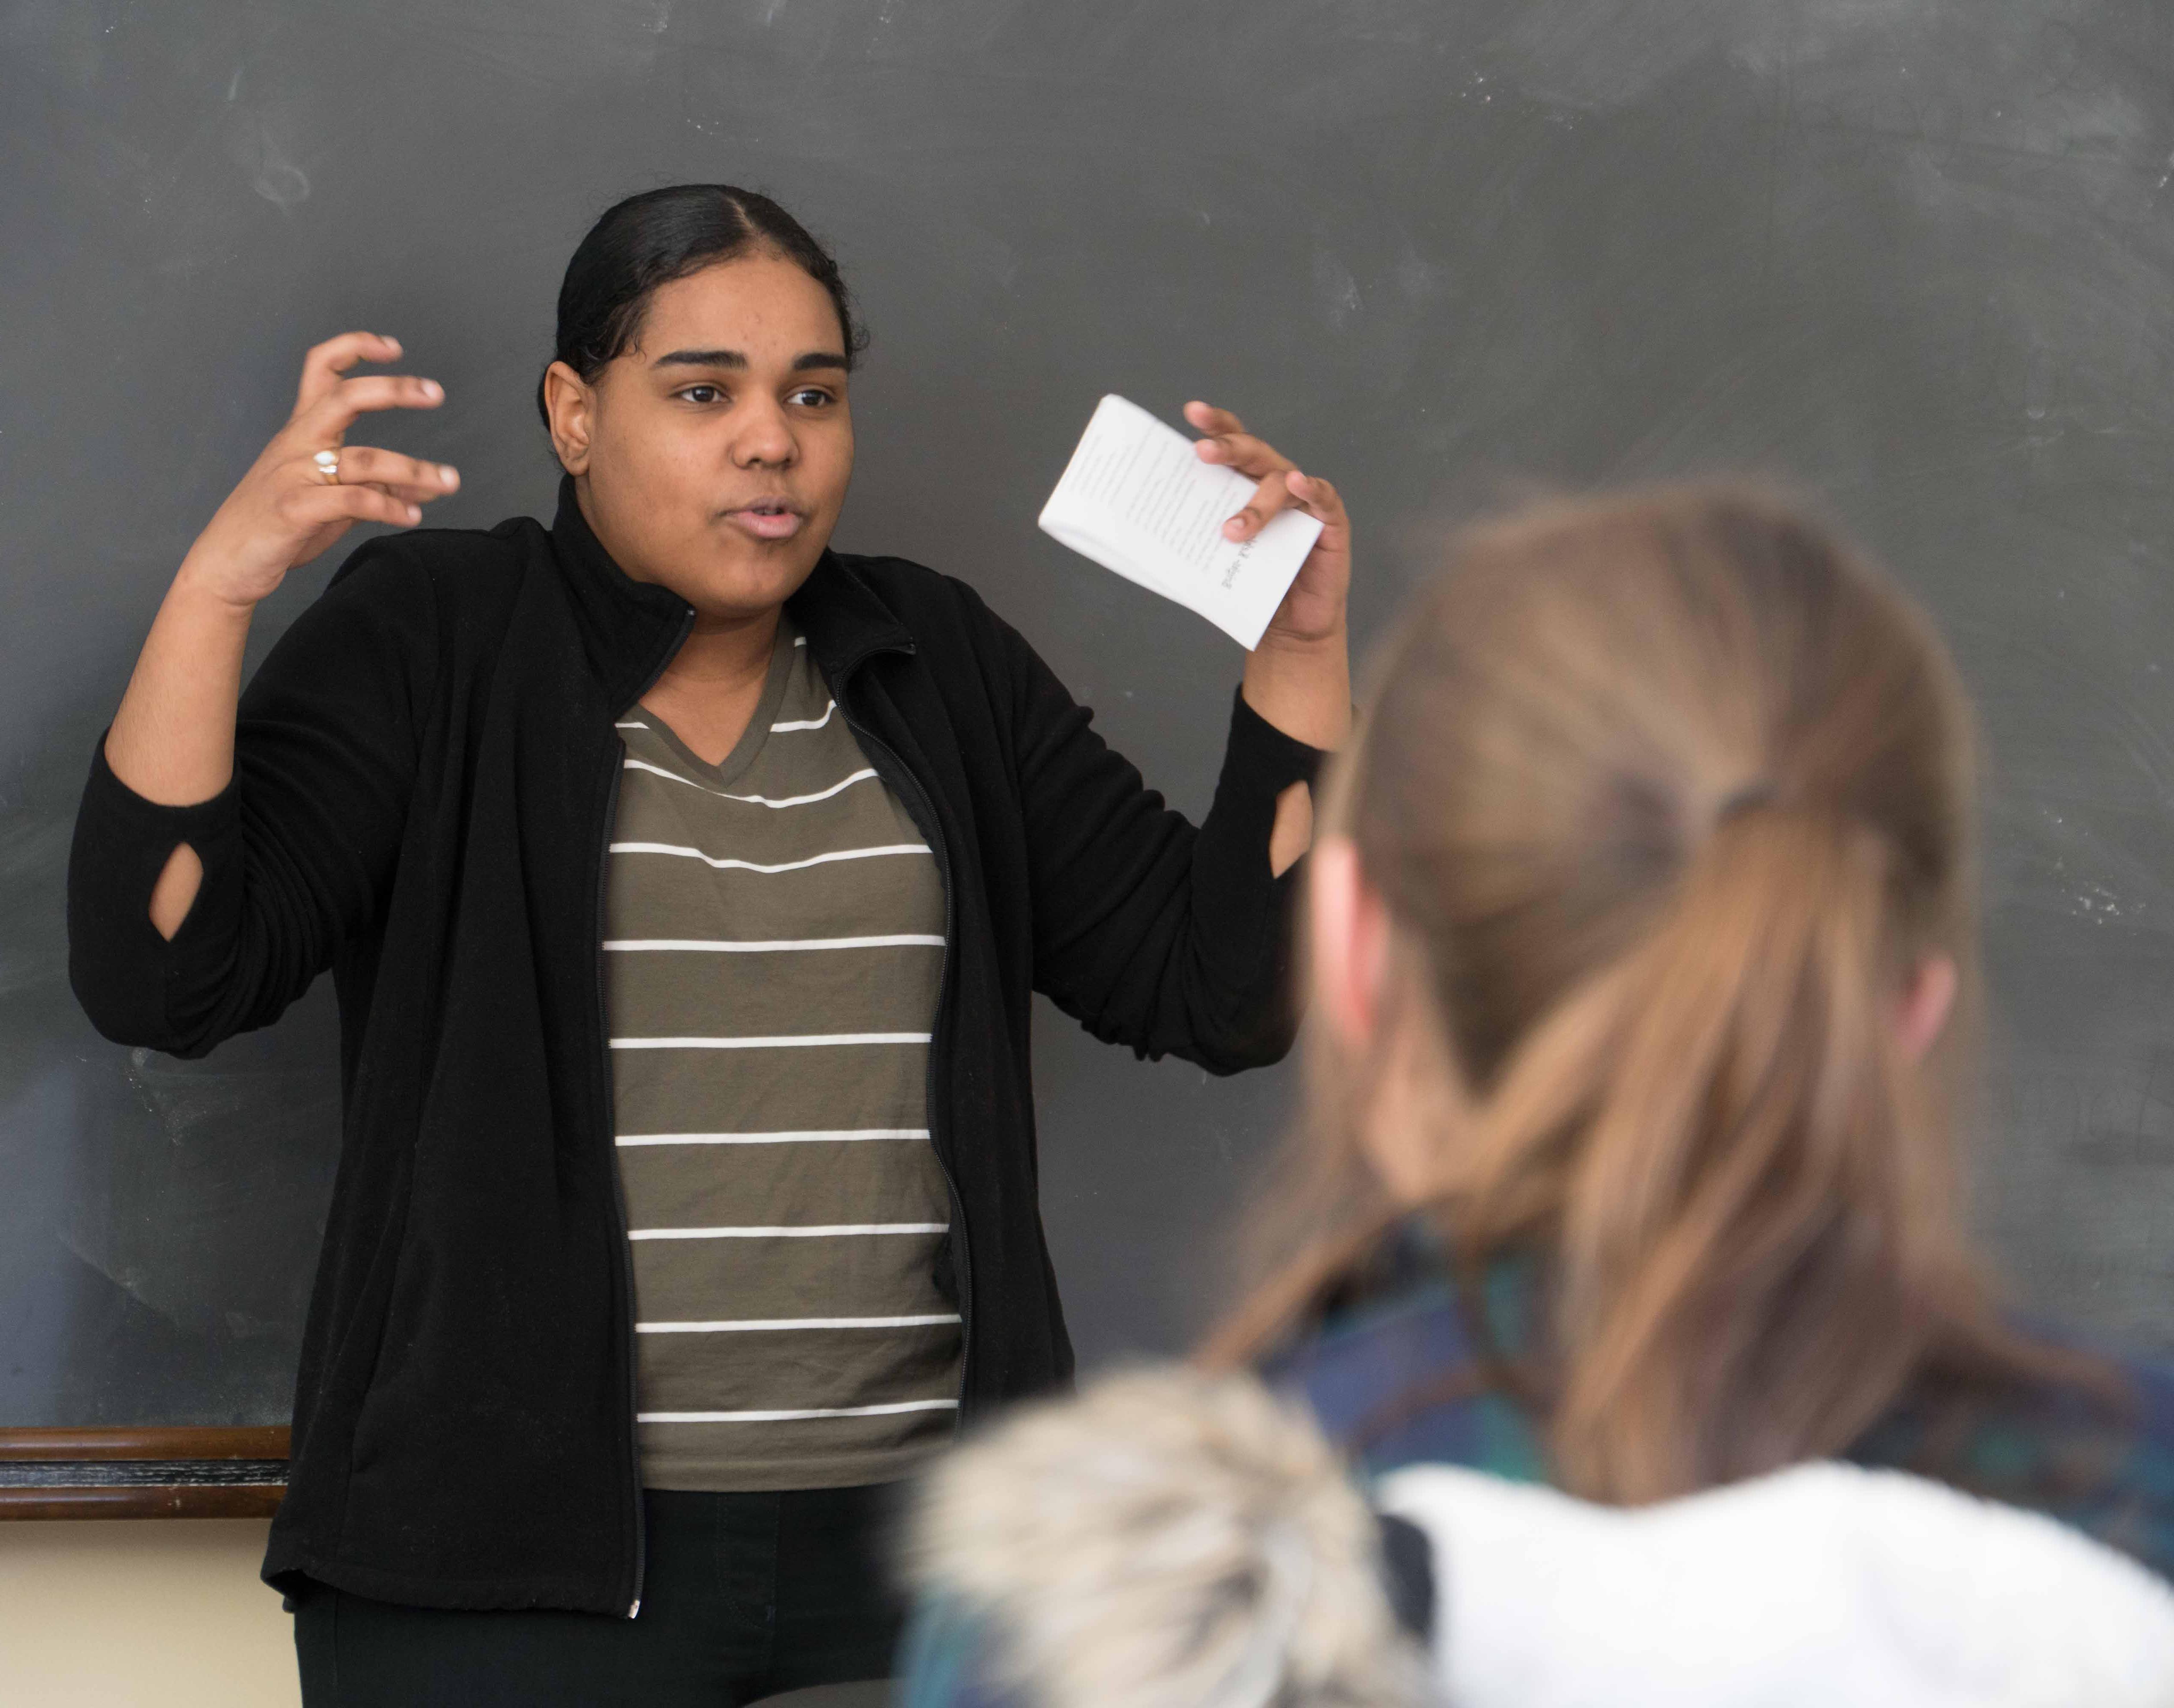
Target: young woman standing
x=684, y=884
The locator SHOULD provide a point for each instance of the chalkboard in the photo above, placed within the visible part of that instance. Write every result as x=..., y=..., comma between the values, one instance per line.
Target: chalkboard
x=1914, y=254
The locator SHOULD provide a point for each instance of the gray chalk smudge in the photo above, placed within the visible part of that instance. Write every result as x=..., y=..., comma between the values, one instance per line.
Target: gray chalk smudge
x=1339, y=289
x=279, y=180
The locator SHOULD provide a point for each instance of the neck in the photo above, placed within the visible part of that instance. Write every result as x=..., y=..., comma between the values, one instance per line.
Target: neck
x=722, y=653
x=710, y=691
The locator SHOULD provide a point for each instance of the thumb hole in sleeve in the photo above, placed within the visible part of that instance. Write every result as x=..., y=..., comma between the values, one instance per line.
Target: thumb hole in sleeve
x=176, y=892
x=1289, y=837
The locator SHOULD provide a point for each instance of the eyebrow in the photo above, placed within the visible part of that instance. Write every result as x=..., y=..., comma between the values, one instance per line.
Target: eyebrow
x=808, y=361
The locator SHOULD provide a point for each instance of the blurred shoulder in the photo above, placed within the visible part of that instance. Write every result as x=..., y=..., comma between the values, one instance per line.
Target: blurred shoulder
x=2102, y=1462
x=1362, y=1357
x=1396, y=1380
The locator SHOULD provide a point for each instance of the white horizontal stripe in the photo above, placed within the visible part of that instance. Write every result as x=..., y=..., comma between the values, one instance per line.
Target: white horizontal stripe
x=843, y=1230
x=750, y=866
x=806, y=723
x=795, y=1040
x=723, y=945
x=764, y=1324
x=843, y=1135
x=629, y=725
x=859, y=777
x=795, y=1417
x=799, y=639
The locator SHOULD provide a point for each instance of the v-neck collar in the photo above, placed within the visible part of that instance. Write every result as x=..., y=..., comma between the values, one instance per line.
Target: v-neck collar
x=734, y=765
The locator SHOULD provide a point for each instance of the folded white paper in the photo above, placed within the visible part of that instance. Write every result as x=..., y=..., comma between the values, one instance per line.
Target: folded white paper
x=1137, y=499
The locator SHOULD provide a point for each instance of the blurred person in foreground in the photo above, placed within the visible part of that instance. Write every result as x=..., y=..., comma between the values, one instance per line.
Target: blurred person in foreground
x=1643, y=947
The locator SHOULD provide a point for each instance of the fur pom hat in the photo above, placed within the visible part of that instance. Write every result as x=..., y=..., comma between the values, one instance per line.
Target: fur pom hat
x=1166, y=1540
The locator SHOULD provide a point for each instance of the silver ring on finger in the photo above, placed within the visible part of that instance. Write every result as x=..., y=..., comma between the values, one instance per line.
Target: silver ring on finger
x=328, y=463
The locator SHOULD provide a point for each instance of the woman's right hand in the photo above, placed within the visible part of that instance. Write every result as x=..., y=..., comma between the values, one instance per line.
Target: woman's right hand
x=285, y=512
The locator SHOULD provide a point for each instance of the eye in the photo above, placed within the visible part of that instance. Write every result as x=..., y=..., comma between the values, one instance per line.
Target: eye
x=704, y=393
x=812, y=397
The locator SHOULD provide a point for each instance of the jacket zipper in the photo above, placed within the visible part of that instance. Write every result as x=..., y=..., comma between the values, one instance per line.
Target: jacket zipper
x=631, y=1365
x=895, y=772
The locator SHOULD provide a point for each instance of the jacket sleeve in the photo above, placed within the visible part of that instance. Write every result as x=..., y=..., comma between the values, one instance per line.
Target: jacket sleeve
x=297, y=849
x=1150, y=933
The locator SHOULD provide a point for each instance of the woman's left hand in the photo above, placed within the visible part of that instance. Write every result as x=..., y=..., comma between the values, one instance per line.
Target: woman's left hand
x=1312, y=611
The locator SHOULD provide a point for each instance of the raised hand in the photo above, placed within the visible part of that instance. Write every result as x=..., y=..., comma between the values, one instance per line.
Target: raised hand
x=1299, y=677
x=311, y=486
x=172, y=740
x=1312, y=611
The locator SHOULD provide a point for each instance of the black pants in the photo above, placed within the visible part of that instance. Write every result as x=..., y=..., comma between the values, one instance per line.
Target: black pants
x=744, y=1596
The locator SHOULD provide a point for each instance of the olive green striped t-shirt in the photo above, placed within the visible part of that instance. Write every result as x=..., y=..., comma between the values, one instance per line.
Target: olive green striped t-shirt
x=773, y=952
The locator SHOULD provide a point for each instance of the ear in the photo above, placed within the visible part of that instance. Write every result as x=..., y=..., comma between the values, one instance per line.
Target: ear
x=1927, y=1000
x=569, y=402
x=1348, y=928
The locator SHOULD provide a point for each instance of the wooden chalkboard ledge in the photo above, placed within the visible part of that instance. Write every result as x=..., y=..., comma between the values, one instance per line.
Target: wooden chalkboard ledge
x=141, y=1472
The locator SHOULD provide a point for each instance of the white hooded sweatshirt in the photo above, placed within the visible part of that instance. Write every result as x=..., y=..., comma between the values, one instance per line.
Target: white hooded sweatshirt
x=1823, y=1584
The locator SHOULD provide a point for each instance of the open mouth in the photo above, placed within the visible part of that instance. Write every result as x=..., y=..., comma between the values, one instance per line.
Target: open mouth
x=767, y=518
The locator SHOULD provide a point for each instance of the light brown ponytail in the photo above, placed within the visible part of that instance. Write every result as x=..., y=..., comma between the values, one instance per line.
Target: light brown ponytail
x=1754, y=1232
x=1667, y=797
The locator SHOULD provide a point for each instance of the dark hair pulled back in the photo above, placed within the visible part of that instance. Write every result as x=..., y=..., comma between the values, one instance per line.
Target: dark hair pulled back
x=649, y=241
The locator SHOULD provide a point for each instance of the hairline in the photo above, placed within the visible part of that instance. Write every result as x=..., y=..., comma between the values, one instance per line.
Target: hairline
x=758, y=245
x=807, y=362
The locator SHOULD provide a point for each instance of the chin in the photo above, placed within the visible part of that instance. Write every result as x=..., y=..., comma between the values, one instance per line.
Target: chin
x=744, y=583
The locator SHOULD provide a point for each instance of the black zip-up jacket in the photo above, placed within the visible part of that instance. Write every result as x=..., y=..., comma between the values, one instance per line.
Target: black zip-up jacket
x=426, y=777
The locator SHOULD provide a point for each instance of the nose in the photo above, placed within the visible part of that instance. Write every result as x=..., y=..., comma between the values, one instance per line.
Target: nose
x=763, y=438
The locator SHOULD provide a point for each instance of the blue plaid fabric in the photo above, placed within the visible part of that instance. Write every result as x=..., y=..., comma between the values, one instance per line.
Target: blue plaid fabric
x=1396, y=1382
